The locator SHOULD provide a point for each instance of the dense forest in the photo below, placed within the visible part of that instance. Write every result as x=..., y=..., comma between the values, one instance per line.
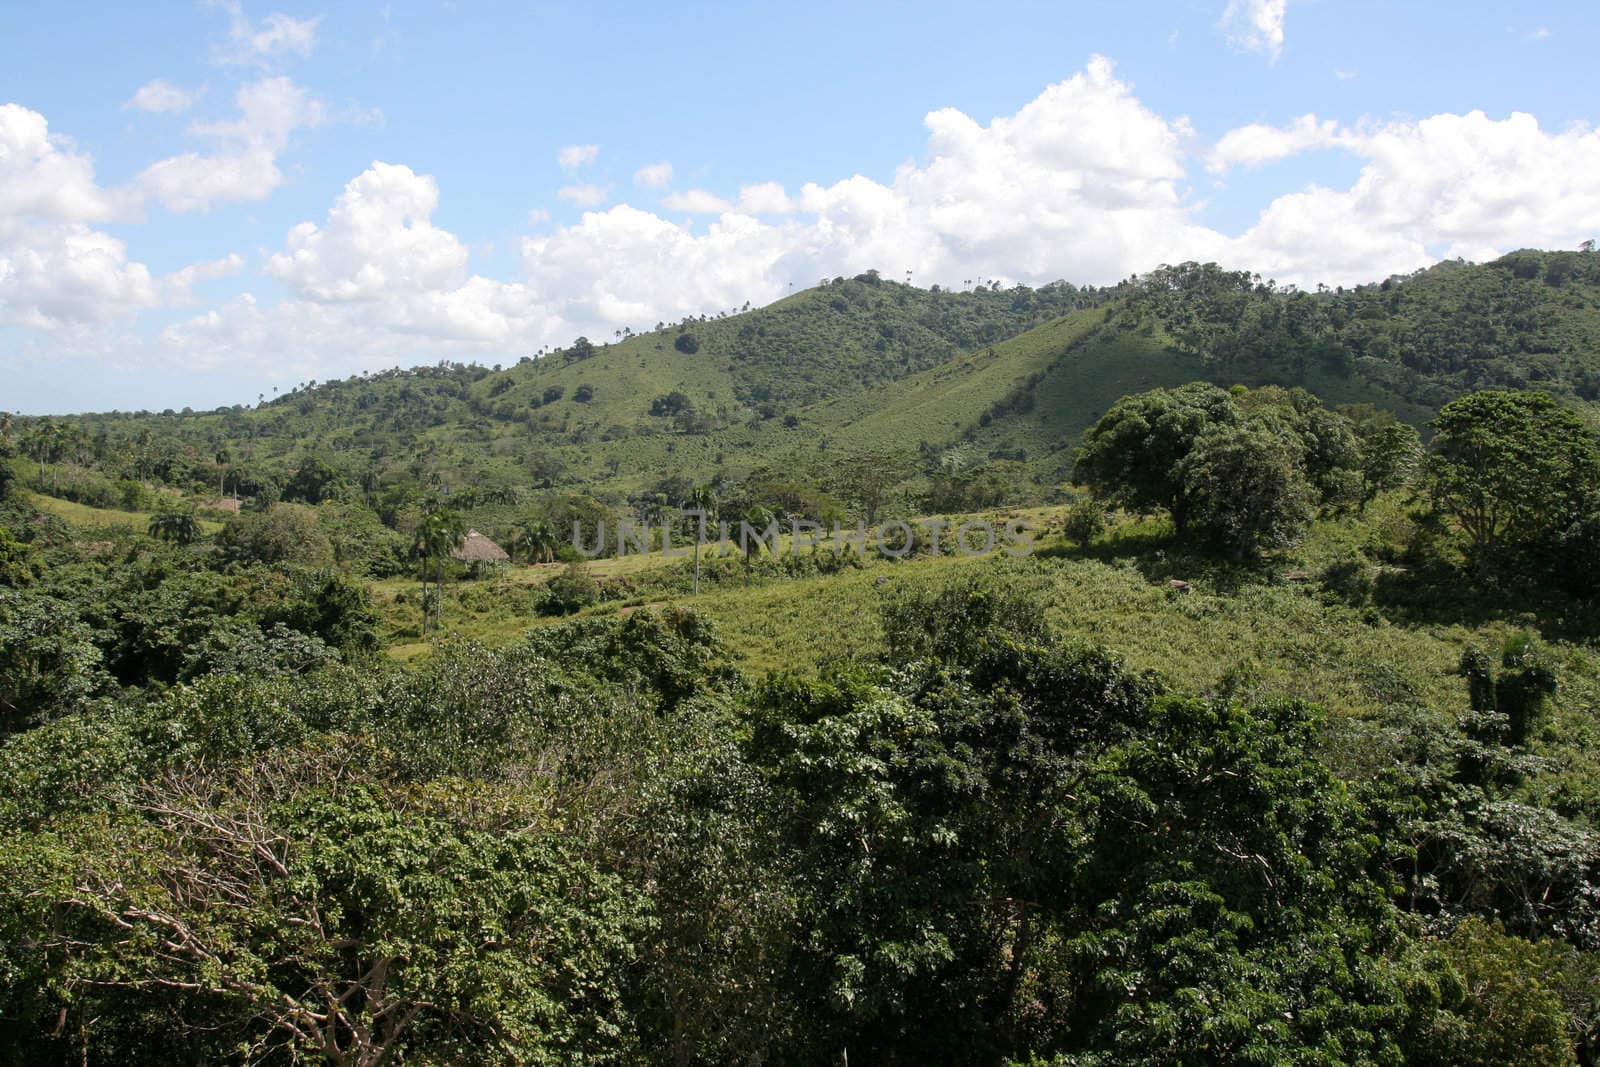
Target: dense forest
x=1277, y=747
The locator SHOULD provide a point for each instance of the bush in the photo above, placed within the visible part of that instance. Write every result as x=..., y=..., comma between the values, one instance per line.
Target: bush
x=571, y=590
x=1085, y=521
x=283, y=533
x=687, y=343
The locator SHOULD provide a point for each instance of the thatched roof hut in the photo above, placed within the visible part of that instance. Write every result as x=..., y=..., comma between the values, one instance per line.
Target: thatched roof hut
x=478, y=549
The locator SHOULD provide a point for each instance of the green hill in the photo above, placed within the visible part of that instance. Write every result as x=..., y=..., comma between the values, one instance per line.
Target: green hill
x=862, y=366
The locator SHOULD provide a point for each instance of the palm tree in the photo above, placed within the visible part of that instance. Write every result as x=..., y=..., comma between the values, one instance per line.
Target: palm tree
x=760, y=518
x=538, y=539
x=224, y=457
x=440, y=533
x=177, y=526
x=702, y=499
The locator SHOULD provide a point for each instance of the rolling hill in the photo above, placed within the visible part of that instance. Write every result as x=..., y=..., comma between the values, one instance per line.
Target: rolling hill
x=865, y=366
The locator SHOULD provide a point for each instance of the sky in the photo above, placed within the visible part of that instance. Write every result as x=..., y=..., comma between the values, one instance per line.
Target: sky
x=204, y=203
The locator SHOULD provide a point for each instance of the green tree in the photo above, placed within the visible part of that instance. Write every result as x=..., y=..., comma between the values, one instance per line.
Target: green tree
x=538, y=541
x=49, y=664
x=281, y=533
x=1133, y=457
x=439, y=534
x=1511, y=470
x=224, y=461
x=177, y=525
x=1085, y=520
x=1390, y=458
x=1246, y=490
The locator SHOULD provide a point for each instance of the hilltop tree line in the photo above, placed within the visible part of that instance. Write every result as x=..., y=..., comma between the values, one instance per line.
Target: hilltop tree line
x=1524, y=321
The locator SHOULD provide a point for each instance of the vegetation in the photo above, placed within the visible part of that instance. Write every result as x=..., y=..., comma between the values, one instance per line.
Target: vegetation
x=1277, y=748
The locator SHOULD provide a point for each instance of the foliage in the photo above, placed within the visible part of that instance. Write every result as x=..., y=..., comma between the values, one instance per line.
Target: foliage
x=281, y=533
x=1512, y=470
x=571, y=590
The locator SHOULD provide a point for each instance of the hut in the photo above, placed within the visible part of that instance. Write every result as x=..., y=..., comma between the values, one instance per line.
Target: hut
x=480, y=554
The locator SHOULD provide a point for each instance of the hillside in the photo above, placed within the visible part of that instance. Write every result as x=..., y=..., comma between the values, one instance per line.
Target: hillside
x=863, y=366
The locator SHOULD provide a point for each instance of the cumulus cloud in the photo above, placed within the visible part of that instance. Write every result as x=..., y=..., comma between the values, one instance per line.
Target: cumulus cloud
x=653, y=175
x=1446, y=186
x=57, y=271
x=244, y=165
x=765, y=198
x=160, y=96
x=263, y=44
x=1256, y=25
x=1084, y=182
x=696, y=202
x=574, y=156
x=1258, y=144
x=583, y=195
x=368, y=284
x=179, y=285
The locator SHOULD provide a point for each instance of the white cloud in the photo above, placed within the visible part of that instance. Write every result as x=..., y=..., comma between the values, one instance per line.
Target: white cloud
x=1084, y=182
x=1445, y=186
x=56, y=271
x=653, y=175
x=276, y=37
x=378, y=239
x=1256, y=25
x=1257, y=144
x=376, y=282
x=44, y=176
x=574, y=156
x=765, y=198
x=538, y=216
x=245, y=165
x=178, y=286
x=696, y=202
x=160, y=96
x=583, y=195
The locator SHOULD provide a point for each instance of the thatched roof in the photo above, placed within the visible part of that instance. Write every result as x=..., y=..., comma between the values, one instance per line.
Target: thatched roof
x=476, y=548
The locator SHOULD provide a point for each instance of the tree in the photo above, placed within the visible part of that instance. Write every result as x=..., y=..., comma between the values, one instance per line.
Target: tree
x=866, y=479
x=757, y=521
x=1390, y=458
x=313, y=482
x=1246, y=490
x=1085, y=521
x=703, y=504
x=571, y=590
x=687, y=343
x=1133, y=457
x=439, y=534
x=1511, y=470
x=224, y=458
x=281, y=533
x=49, y=664
x=538, y=539
x=177, y=525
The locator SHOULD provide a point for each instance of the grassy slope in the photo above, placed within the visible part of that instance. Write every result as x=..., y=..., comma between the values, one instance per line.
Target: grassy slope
x=86, y=516
x=1251, y=634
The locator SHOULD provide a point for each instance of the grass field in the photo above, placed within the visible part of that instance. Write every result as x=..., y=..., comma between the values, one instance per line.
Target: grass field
x=84, y=515
x=1278, y=630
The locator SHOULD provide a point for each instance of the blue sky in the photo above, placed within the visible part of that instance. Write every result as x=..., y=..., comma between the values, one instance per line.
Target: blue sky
x=201, y=202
